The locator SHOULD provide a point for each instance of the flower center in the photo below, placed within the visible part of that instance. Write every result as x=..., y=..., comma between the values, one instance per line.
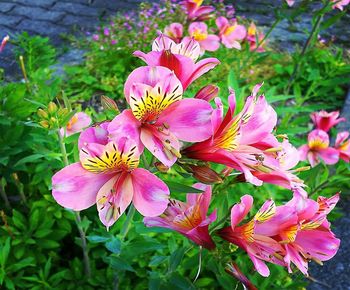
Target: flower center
x=189, y=219
x=317, y=144
x=228, y=140
x=148, y=108
x=71, y=122
x=111, y=159
x=229, y=30
x=199, y=35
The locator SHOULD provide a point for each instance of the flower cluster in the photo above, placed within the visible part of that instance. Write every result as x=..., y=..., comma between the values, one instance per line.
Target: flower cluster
x=192, y=133
x=339, y=4
x=318, y=147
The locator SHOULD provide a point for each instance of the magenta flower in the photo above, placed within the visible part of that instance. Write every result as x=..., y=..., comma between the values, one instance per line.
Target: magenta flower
x=233, y=270
x=342, y=144
x=190, y=218
x=106, y=31
x=325, y=121
x=160, y=115
x=195, y=11
x=302, y=228
x=290, y=2
x=259, y=247
x=174, y=31
x=3, y=42
x=340, y=4
x=252, y=37
x=76, y=124
x=230, y=33
x=107, y=175
x=318, y=148
x=95, y=37
x=199, y=31
x=234, y=136
x=179, y=58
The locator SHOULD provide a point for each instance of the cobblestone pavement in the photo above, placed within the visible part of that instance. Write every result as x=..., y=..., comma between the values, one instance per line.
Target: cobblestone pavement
x=53, y=18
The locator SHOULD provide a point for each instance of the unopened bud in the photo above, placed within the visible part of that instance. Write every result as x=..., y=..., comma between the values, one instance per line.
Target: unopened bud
x=53, y=120
x=52, y=108
x=109, y=104
x=42, y=114
x=207, y=93
x=62, y=112
x=204, y=174
x=161, y=167
x=44, y=124
x=226, y=171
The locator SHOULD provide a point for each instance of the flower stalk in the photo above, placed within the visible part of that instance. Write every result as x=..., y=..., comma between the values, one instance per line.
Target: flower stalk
x=81, y=231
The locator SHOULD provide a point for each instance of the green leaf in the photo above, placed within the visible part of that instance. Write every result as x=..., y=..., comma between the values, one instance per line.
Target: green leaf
x=5, y=250
x=181, y=282
x=114, y=245
x=176, y=187
x=120, y=264
x=29, y=158
x=330, y=21
x=97, y=239
x=175, y=258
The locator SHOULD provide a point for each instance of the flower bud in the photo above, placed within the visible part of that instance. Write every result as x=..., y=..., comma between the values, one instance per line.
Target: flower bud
x=42, y=114
x=52, y=108
x=44, y=124
x=62, y=112
x=204, y=174
x=161, y=167
x=109, y=104
x=207, y=93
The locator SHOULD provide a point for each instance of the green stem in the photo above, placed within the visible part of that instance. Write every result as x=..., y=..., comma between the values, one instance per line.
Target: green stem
x=220, y=222
x=77, y=214
x=127, y=223
x=267, y=34
x=297, y=65
x=4, y=196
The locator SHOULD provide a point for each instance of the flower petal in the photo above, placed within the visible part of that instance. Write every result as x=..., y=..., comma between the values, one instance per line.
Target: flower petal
x=75, y=188
x=240, y=210
x=150, y=193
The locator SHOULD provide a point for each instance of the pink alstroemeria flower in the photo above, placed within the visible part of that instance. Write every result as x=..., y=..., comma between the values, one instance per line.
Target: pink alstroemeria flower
x=197, y=12
x=231, y=34
x=234, y=136
x=279, y=158
x=259, y=247
x=302, y=228
x=190, y=218
x=107, y=175
x=325, y=121
x=342, y=144
x=76, y=124
x=233, y=270
x=252, y=35
x=318, y=147
x=180, y=58
x=160, y=115
x=290, y=2
x=199, y=31
x=3, y=42
x=340, y=4
x=174, y=31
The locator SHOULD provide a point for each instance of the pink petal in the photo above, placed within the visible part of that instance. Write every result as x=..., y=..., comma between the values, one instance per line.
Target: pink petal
x=240, y=210
x=203, y=199
x=151, y=195
x=211, y=43
x=329, y=155
x=111, y=209
x=97, y=134
x=303, y=152
x=187, y=114
x=75, y=188
x=341, y=137
x=83, y=121
x=221, y=22
x=154, y=141
x=260, y=266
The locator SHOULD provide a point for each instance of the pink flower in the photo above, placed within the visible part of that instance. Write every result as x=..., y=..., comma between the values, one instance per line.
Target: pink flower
x=195, y=11
x=234, y=136
x=342, y=144
x=160, y=115
x=318, y=147
x=325, y=121
x=302, y=228
x=107, y=175
x=230, y=33
x=190, y=218
x=207, y=93
x=259, y=247
x=252, y=35
x=199, y=31
x=174, y=31
x=290, y=2
x=340, y=4
x=3, y=42
x=179, y=58
x=95, y=37
x=76, y=124
x=233, y=270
